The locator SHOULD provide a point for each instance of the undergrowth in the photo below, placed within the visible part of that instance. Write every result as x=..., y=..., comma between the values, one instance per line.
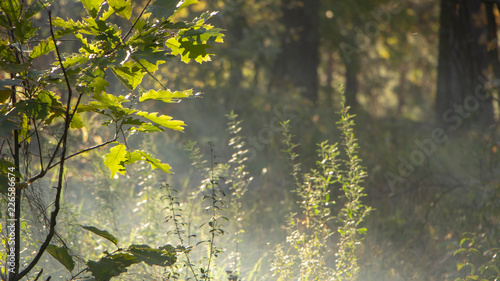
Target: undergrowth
x=223, y=213
x=311, y=233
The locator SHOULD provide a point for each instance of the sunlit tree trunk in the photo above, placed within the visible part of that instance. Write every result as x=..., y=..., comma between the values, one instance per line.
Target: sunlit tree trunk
x=465, y=66
x=296, y=65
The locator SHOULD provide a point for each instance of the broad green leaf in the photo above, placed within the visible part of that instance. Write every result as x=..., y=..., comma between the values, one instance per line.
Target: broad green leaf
x=205, y=34
x=46, y=106
x=4, y=95
x=151, y=56
x=185, y=3
x=76, y=122
x=165, y=95
x=7, y=53
x=163, y=8
x=37, y=7
x=87, y=48
x=56, y=108
x=103, y=233
x=147, y=66
x=195, y=51
x=155, y=163
x=72, y=27
x=152, y=256
x=42, y=48
x=175, y=46
x=163, y=120
x=108, y=102
x=6, y=83
x=92, y=6
x=130, y=74
x=106, y=14
x=37, y=75
x=122, y=8
x=133, y=157
x=103, y=101
x=99, y=85
x=192, y=43
x=132, y=121
x=24, y=30
x=75, y=59
x=139, y=155
x=13, y=67
x=124, y=258
x=12, y=8
x=115, y=158
x=8, y=123
x=107, y=267
x=146, y=128
x=61, y=254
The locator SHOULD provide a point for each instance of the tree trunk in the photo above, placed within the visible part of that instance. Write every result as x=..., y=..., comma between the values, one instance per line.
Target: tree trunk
x=465, y=69
x=351, y=83
x=297, y=64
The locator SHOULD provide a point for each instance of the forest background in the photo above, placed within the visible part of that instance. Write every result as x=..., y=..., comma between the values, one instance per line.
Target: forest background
x=421, y=77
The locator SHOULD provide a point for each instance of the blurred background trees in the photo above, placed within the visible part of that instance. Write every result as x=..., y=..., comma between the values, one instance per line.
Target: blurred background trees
x=408, y=67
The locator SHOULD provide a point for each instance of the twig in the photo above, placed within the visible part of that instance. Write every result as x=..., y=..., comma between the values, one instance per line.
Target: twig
x=85, y=150
x=178, y=229
x=81, y=271
x=64, y=138
x=149, y=73
x=39, y=144
x=213, y=182
x=39, y=274
x=130, y=30
x=50, y=165
x=136, y=21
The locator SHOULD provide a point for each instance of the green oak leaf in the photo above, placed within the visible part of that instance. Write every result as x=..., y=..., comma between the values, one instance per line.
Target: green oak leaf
x=115, y=158
x=61, y=254
x=163, y=120
x=92, y=6
x=103, y=233
x=159, y=257
x=122, y=8
x=165, y=95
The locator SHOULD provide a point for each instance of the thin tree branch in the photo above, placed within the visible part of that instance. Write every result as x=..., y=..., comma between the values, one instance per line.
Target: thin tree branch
x=86, y=150
x=136, y=21
x=39, y=274
x=149, y=73
x=82, y=271
x=49, y=165
x=130, y=30
x=16, y=155
x=39, y=144
x=55, y=212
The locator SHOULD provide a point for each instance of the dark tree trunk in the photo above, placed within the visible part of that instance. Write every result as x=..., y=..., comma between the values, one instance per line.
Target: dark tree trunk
x=297, y=64
x=465, y=66
x=402, y=90
x=235, y=33
x=351, y=83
